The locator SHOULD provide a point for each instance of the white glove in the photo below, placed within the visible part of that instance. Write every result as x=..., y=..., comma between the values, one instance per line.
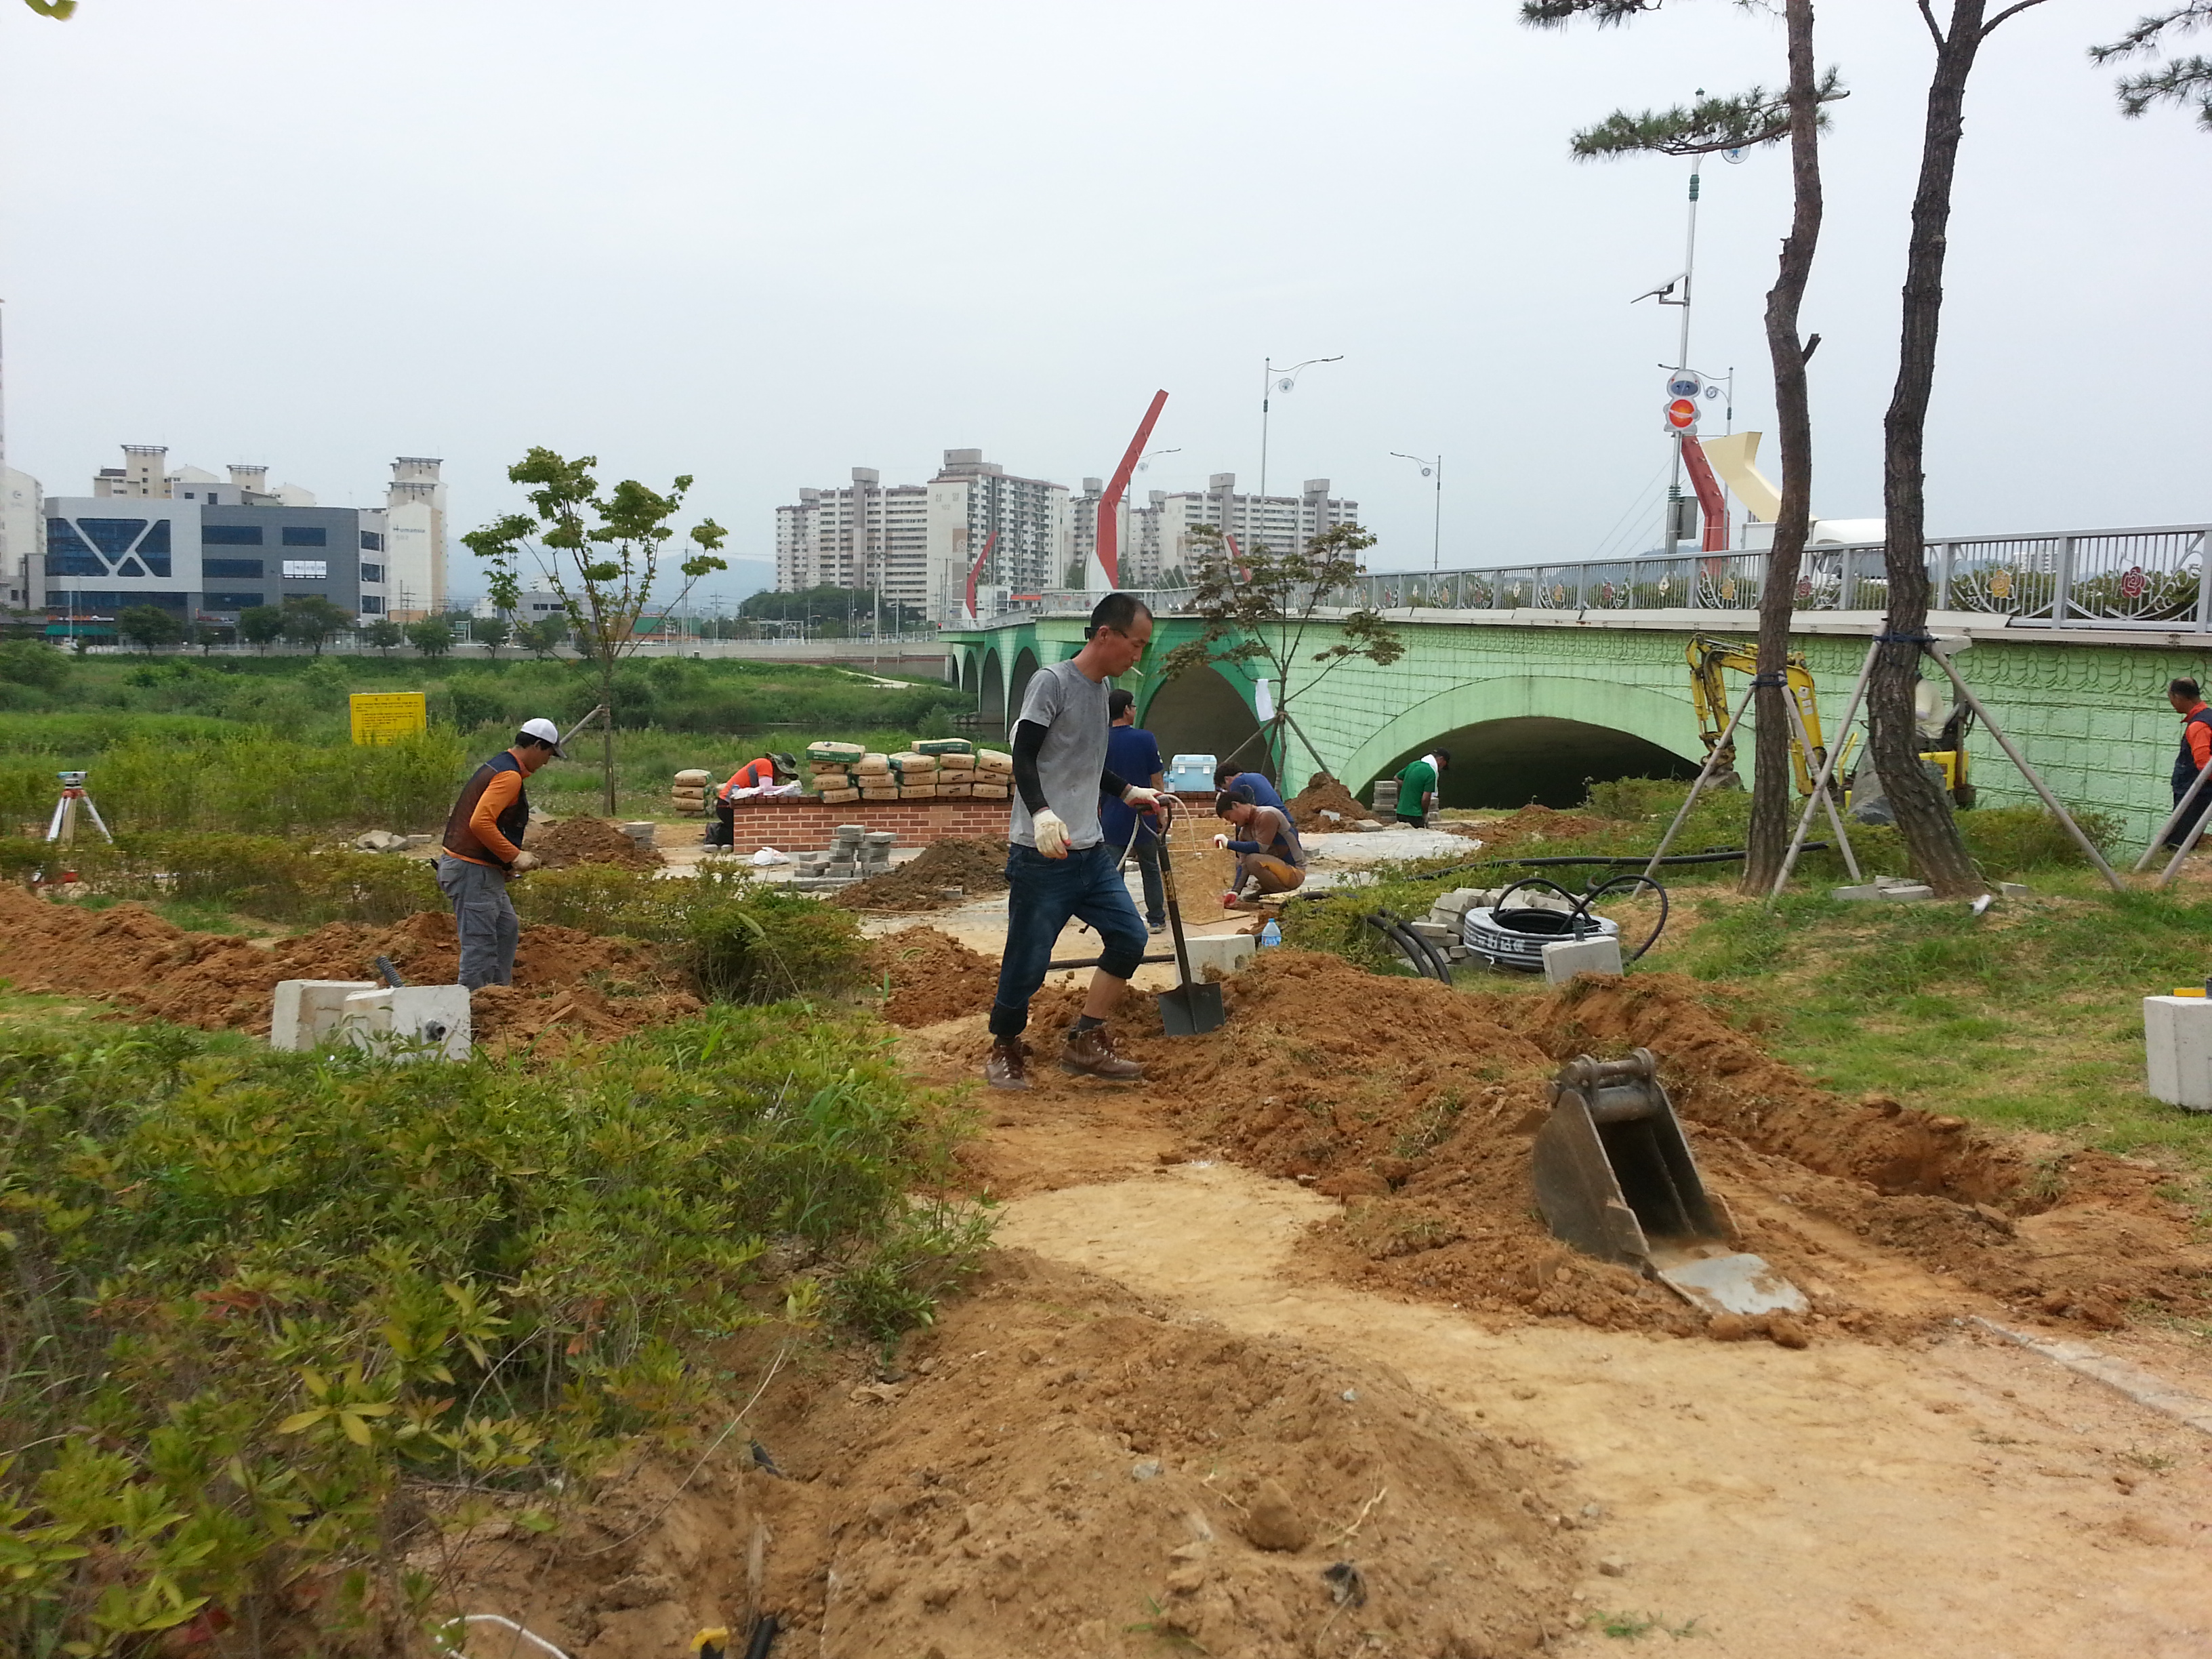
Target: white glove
x=1144, y=799
x=1221, y=843
x=1051, y=834
x=525, y=861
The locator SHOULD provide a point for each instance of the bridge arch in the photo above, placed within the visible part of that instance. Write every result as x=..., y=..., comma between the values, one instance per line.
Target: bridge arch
x=991, y=698
x=1025, y=666
x=1519, y=738
x=1203, y=713
x=970, y=676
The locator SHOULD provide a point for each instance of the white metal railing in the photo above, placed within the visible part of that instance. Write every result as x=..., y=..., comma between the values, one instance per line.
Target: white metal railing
x=2145, y=578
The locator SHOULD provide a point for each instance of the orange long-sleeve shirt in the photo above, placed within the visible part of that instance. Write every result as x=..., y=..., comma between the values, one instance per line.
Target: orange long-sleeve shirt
x=499, y=794
x=2198, y=735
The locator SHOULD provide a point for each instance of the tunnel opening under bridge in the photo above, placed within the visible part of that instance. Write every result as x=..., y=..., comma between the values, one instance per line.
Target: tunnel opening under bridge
x=1551, y=762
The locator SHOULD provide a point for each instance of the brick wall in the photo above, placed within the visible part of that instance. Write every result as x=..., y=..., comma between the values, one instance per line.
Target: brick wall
x=794, y=824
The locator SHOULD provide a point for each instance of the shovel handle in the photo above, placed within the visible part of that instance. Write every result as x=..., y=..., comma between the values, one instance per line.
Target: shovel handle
x=1168, y=887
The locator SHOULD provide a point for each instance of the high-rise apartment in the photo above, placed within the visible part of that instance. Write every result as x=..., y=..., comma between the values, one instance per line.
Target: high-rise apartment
x=1283, y=523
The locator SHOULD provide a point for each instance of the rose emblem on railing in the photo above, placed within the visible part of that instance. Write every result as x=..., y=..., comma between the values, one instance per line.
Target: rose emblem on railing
x=2134, y=582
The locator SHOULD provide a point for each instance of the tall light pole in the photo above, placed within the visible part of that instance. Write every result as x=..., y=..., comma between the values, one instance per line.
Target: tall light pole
x=1665, y=295
x=1427, y=466
x=1273, y=381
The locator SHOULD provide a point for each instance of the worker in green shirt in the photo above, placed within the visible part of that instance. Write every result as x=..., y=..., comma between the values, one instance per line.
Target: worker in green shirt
x=1418, y=784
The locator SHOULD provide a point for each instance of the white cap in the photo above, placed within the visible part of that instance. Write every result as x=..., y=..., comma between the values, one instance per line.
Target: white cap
x=545, y=732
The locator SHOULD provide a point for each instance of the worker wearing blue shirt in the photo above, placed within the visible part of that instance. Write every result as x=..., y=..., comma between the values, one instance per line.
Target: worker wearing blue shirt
x=1133, y=754
x=1227, y=780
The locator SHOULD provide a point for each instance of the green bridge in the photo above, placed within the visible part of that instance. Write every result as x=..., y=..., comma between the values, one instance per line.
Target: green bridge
x=1532, y=709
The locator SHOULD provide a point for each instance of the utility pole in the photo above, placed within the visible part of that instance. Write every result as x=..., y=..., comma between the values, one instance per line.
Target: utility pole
x=1682, y=352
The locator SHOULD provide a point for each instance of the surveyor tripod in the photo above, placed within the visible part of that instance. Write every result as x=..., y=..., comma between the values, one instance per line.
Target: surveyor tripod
x=74, y=800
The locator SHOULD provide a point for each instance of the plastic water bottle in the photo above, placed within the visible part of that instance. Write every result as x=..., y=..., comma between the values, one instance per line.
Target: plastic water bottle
x=1271, y=935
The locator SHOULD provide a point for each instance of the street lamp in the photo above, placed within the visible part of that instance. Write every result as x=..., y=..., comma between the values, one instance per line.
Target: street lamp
x=1272, y=381
x=1428, y=466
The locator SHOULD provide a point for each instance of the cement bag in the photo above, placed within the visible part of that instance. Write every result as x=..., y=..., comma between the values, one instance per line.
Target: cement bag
x=694, y=777
x=993, y=760
x=944, y=746
x=833, y=754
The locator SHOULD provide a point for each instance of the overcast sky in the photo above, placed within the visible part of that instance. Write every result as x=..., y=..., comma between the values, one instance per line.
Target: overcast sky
x=765, y=244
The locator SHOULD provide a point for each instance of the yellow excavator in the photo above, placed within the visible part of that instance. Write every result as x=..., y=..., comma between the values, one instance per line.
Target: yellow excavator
x=1711, y=657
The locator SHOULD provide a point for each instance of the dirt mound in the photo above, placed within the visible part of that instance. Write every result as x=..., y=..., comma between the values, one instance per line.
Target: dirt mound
x=978, y=867
x=1323, y=794
x=1058, y=1469
x=2063, y=1230
x=218, y=981
x=590, y=841
x=1527, y=829
x=1418, y=1104
x=932, y=976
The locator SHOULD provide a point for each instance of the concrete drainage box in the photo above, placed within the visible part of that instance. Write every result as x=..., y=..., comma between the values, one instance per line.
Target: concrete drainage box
x=2178, y=1047
x=309, y=1013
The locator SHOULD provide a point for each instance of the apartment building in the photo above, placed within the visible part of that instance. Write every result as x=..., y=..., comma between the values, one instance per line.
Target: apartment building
x=1280, y=522
x=1137, y=536
x=917, y=541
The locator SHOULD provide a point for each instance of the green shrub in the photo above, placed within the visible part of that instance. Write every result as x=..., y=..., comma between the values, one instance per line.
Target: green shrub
x=2006, y=840
x=260, y=875
x=741, y=940
x=255, y=1299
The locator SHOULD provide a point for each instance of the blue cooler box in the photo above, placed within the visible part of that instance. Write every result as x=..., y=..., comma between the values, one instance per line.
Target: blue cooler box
x=1191, y=774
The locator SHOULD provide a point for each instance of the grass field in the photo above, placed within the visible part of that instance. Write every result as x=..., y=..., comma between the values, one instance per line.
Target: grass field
x=263, y=744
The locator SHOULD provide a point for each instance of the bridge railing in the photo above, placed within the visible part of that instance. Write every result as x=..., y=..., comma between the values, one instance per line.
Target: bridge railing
x=2148, y=577
x=2145, y=578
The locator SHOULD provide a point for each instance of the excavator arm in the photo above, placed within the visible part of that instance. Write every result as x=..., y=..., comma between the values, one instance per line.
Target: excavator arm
x=1710, y=658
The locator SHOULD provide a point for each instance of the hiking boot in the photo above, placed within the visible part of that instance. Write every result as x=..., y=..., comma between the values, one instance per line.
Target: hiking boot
x=1091, y=1053
x=1007, y=1066
x=1155, y=927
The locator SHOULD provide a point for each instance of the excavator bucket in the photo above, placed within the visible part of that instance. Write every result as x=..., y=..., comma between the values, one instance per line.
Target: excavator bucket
x=1615, y=1179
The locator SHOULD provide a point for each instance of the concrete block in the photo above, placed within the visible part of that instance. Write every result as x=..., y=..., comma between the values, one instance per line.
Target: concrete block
x=1852, y=895
x=2178, y=1045
x=2012, y=890
x=1222, y=953
x=1907, y=892
x=1442, y=932
x=1566, y=957
x=307, y=1011
x=384, y=1019
x=640, y=831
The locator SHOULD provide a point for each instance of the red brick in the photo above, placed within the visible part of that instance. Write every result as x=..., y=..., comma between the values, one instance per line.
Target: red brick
x=792, y=825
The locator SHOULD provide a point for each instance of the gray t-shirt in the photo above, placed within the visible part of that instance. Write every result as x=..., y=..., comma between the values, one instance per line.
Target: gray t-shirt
x=1072, y=708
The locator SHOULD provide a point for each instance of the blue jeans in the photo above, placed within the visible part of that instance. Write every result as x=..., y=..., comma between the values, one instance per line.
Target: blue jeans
x=1147, y=855
x=1042, y=895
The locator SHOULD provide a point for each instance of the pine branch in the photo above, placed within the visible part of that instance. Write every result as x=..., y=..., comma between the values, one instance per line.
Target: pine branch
x=1557, y=13
x=2146, y=36
x=1751, y=119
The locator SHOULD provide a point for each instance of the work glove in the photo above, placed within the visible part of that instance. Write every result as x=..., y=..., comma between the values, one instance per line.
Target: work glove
x=1051, y=834
x=1228, y=901
x=1144, y=799
x=525, y=862
x=1221, y=843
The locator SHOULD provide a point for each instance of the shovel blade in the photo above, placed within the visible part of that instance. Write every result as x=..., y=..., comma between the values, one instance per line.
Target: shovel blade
x=1191, y=1009
x=1734, y=1283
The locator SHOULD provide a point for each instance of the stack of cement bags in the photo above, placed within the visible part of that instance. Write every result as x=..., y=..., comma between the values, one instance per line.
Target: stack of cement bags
x=689, y=796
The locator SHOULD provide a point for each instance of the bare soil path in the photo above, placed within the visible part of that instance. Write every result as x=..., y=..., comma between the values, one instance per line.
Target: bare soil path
x=1950, y=1495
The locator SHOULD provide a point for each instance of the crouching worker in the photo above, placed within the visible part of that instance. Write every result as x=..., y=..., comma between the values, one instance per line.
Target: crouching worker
x=1058, y=864
x=753, y=774
x=1270, y=858
x=484, y=849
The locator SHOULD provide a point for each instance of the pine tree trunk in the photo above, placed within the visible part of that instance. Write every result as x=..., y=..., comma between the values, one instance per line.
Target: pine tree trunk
x=1922, y=810
x=1771, y=792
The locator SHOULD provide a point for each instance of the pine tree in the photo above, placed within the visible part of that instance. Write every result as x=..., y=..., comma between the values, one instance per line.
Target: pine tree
x=1755, y=118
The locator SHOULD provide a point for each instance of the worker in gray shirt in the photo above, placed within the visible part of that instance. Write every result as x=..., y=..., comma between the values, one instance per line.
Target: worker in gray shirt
x=1058, y=864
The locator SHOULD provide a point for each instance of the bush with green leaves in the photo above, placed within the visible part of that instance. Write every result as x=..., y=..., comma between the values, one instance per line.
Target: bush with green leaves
x=260, y=1302
x=739, y=939
x=265, y=875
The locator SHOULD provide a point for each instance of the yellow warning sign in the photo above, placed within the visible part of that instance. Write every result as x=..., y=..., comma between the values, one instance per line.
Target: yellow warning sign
x=382, y=716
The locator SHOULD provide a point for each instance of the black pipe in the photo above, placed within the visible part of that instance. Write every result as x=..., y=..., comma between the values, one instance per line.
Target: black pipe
x=1092, y=962
x=763, y=1638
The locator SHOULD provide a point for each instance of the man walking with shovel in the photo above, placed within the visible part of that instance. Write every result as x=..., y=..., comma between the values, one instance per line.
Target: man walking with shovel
x=1058, y=864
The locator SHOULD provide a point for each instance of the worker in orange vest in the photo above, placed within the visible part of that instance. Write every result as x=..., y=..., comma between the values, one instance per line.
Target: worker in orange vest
x=753, y=774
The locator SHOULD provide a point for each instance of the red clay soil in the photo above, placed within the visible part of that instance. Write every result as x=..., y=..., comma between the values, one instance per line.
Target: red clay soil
x=932, y=976
x=218, y=981
x=1323, y=794
x=977, y=867
x=590, y=841
x=1527, y=829
x=1056, y=1468
x=1418, y=1104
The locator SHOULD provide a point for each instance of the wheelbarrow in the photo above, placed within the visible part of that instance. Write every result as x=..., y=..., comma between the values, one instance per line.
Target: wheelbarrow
x=1615, y=1179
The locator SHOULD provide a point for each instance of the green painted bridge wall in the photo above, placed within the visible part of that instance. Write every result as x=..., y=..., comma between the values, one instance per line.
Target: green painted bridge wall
x=2092, y=719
